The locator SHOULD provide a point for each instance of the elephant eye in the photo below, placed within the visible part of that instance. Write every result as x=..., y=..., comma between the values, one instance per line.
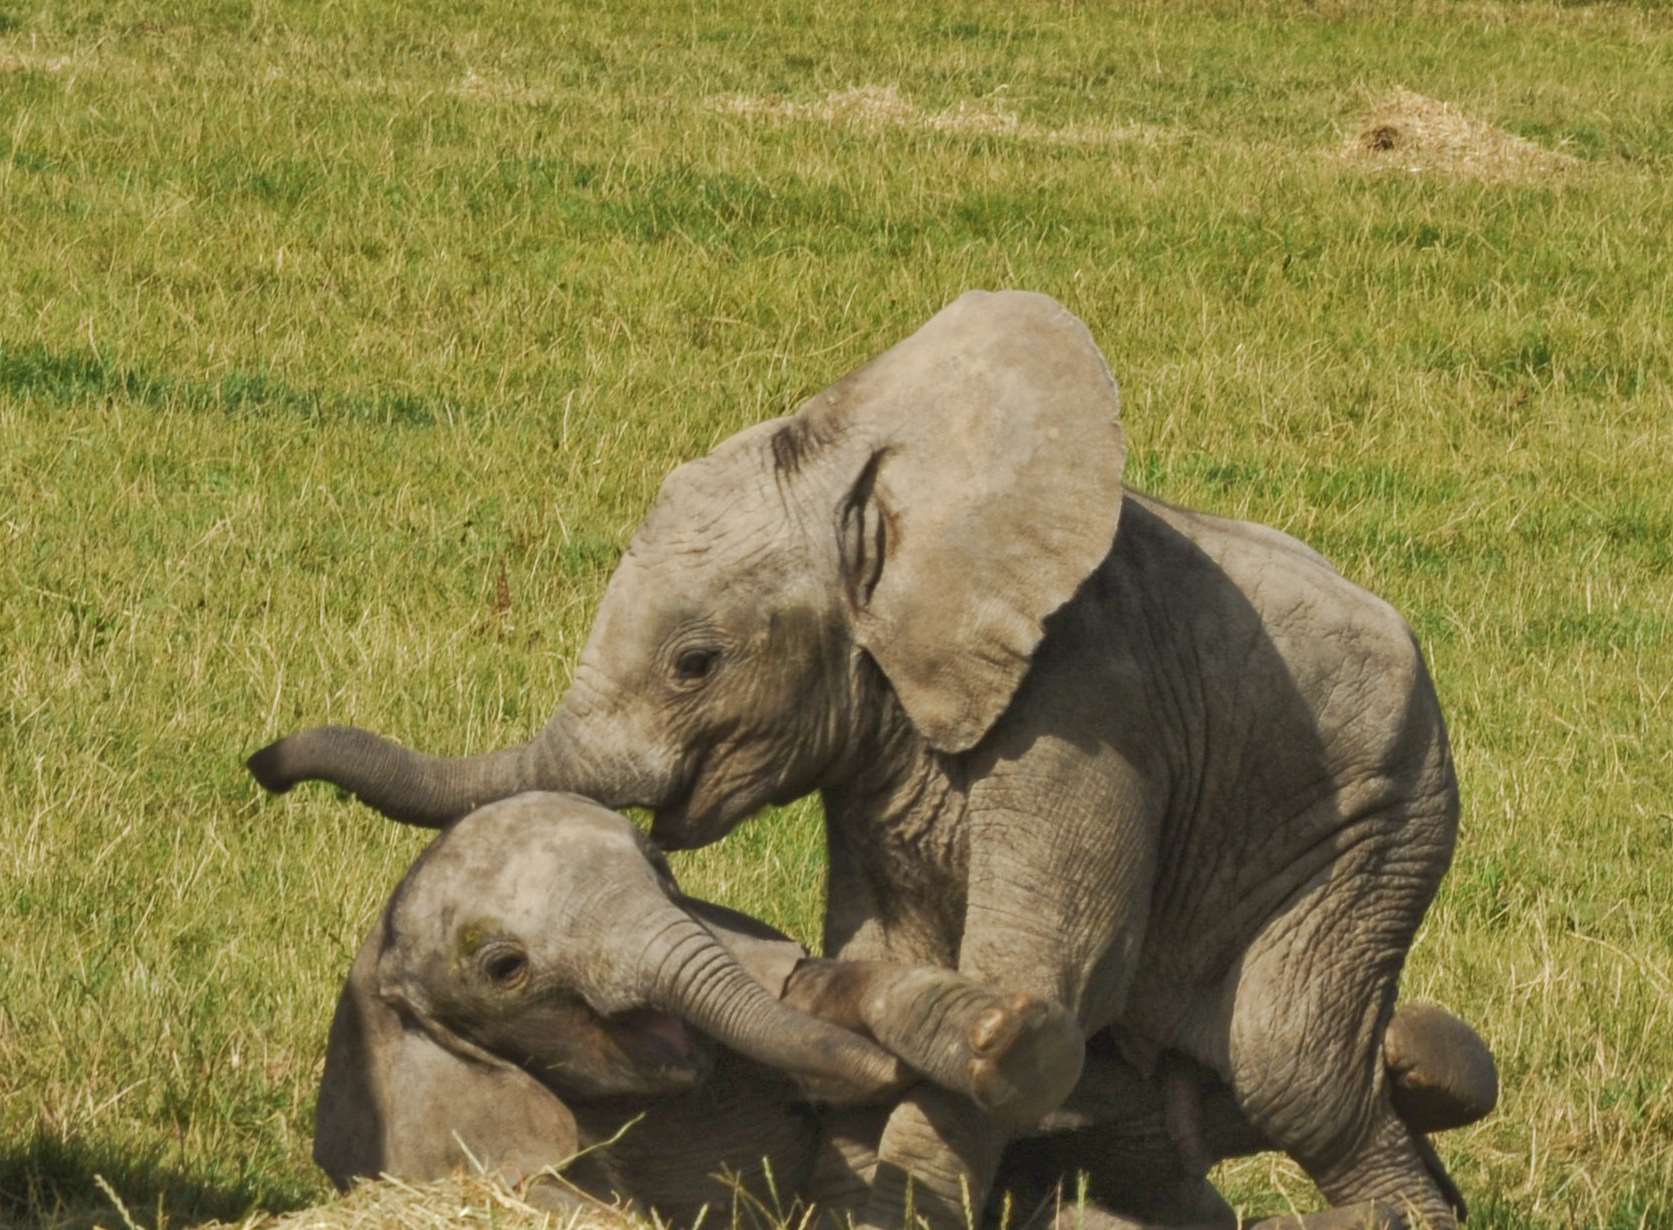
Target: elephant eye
x=696, y=664
x=508, y=967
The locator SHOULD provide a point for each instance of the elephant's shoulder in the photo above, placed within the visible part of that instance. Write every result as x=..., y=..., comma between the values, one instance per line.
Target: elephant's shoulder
x=1274, y=572
x=1227, y=541
x=1265, y=608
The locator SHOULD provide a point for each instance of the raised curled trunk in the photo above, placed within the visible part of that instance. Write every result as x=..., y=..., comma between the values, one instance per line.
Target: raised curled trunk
x=428, y=791
x=689, y=973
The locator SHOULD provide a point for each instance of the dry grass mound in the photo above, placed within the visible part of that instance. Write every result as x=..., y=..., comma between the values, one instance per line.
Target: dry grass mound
x=1409, y=132
x=449, y=1204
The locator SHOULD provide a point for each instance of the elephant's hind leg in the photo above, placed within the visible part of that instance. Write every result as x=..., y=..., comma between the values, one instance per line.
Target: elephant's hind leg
x=1308, y=1010
x=1384, y=1175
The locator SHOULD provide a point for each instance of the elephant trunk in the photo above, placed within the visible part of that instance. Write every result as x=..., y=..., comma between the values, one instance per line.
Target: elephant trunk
x=689, y=973
x=408, y=786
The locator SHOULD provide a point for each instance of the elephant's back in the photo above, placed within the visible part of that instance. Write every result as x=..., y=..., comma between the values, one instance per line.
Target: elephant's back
x=1294, y=592
x=1220, y=536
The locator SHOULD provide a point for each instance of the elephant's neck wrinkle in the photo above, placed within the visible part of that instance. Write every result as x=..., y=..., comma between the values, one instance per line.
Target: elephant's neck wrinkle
x=895, y=782
x=898, y=849
x=906, y=805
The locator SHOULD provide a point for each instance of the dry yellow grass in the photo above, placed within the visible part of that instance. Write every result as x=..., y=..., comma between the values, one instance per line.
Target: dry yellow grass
x=871, y=107
x=1402, y=131
x=450, y=1204
x=1406, y=131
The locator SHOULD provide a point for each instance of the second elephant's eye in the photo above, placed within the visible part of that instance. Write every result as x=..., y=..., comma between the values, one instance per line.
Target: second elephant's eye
x=508, y=967
x=696, y=664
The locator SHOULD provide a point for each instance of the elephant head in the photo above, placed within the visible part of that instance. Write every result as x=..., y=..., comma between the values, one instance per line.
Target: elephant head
x=878, y=565
x=539, y=935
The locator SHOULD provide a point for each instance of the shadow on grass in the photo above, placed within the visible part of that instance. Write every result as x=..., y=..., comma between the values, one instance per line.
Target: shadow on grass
x=80, y=378
x=51, y=1184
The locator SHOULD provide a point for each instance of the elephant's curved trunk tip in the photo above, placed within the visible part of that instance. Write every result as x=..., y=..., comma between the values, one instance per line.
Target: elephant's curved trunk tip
x=268, y=767
x=427, y=791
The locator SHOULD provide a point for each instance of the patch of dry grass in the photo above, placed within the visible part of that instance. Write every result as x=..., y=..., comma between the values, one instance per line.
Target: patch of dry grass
x=458, y=1203
x=1407, y=131
x=871, y=107
x=31, y=62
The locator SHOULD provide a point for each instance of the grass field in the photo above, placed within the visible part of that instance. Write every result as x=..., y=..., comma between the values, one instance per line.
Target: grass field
x=343, y=346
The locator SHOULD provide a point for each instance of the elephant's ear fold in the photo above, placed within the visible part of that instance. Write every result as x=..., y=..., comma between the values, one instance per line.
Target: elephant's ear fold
x=987, y=491
x=402, y=1096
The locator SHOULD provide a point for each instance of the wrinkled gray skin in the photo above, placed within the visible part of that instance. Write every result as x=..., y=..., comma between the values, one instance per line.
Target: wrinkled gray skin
x=1168, y=770
x=464, y=1037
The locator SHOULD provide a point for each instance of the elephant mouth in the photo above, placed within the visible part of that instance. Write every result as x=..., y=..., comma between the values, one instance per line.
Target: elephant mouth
x=684, y=823
x=668, y=822
x=673, y=832
x=663, y=1044
x=678, y=829
x=673, y=826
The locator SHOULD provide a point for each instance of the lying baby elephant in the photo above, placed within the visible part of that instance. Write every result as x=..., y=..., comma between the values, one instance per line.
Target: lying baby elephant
x=533, y=984
x=531, y=990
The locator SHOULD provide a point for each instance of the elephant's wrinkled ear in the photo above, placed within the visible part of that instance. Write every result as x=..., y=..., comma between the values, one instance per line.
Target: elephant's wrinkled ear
x=405, y=1097
x=988, y=490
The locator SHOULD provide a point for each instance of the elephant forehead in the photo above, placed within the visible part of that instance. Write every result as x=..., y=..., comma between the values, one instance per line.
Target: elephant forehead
x=699, y=497
x=518, y=853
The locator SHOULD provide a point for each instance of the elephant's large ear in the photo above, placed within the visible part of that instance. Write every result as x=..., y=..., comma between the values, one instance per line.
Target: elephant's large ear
x=402, y=1098
x=987, y=490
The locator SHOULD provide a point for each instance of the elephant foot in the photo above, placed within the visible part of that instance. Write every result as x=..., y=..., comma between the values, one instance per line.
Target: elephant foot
x=1443, y=1073
x=1022, y=1050
x=1016, y=1056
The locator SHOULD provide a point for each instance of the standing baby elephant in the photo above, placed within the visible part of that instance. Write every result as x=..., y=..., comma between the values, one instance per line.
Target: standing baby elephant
x=1170, y=771
x=466, y=1033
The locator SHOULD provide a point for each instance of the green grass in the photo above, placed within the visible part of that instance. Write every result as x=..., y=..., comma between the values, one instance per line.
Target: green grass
x=316, y=322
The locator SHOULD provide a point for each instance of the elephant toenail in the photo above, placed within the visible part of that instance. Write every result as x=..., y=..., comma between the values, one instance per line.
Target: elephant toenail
x=985, y=1033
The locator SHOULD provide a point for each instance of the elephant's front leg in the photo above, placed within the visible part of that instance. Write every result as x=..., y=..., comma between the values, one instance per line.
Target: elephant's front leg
x=936, y=1163
x=1061, y=864
x=1015, y=1055
x=1063, y=858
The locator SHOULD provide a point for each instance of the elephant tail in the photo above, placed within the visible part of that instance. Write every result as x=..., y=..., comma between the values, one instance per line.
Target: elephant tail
x=1441, y=1074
